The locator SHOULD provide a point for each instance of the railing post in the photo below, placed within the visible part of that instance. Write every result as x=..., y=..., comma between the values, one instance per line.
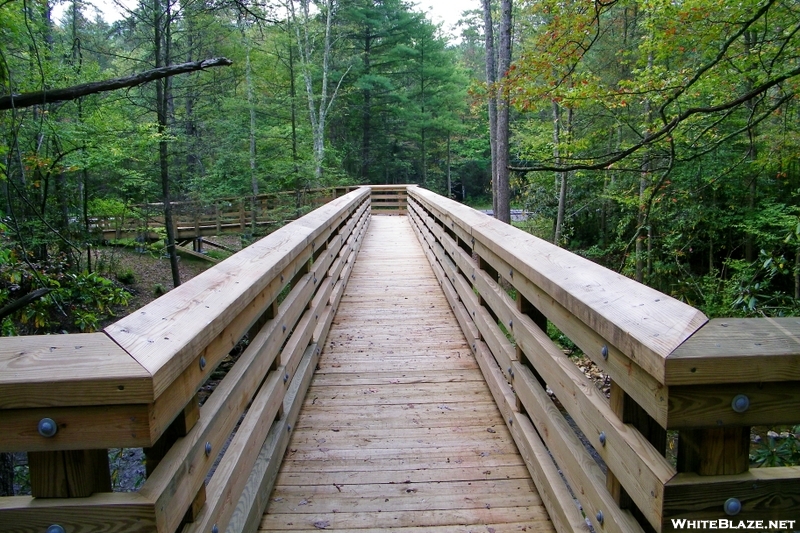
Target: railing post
x=629, y=412
x=69, y=474
x=714, y=451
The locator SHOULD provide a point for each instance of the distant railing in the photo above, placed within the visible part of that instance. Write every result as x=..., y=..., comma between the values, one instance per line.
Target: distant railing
x=66, y=399
x=671, y=369
x=195, y=219
x=389, y=199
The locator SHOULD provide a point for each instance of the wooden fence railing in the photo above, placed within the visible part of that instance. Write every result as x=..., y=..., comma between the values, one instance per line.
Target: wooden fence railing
x=671, y=369
x=389, y=199
x=194, y=219
x=66, y=399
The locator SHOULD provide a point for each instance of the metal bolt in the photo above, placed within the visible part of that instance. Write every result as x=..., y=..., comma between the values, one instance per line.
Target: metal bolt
x=740, y=403
x=732, y=506
x=202, y=363
x=208, y=449
x=600, y=517
x=47, y=428
x=55, y=528
x=604, y=352
x=602, y=438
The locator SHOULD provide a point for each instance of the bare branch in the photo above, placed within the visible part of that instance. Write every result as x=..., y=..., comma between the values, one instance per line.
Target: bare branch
x=77, y=91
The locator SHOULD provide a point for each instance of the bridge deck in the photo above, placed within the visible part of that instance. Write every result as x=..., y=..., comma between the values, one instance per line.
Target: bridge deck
x=399, y=430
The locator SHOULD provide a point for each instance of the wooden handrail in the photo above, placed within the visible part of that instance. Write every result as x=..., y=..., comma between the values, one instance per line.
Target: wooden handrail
x=670, y=367
x=134, y=385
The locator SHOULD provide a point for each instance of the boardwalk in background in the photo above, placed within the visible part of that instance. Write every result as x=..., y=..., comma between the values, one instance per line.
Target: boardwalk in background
x=399, y=429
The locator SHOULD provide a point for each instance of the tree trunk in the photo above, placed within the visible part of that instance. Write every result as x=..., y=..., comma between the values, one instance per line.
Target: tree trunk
x=161, y=49
x=252, y=107
x=752, y=153
x=503, y=212
x=6, y=474
x=318, y=113
x=366, y=114
x=644, y=181
x=491, y=78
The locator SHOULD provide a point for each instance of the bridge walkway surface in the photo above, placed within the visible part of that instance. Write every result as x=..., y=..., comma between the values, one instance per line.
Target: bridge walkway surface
x=399, y=430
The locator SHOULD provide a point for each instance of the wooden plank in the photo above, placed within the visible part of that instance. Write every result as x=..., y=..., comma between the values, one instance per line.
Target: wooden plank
x=770, y=404
x=253, y=500
x=639, y=466
x=765, y=494
x=738, y=350
x=79, y=428
x=185, y=252
x=353, y=460
x=111, y=512
x=500, y=517
x=714, y=451
x=379, y=498
x=229, y=479
x=579, y=468
x=69, y=474
x=67, y=370
x=404, y=476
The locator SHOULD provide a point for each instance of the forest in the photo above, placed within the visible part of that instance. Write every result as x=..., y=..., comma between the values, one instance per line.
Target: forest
x=656, y=137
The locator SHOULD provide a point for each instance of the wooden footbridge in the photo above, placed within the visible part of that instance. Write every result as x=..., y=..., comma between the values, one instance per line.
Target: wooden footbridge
x=396, y=374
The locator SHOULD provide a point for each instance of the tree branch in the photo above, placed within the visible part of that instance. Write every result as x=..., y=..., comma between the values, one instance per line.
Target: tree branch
x=19, y=303
x=664, y=131
x=77, y=91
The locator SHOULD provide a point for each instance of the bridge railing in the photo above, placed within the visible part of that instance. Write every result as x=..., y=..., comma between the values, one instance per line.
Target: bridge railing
x=67, y=399
x=193, y=219
x=673, y=372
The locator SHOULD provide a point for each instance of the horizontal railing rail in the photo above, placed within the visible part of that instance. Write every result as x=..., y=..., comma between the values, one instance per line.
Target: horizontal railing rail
x=66, y=399
x=671, y=368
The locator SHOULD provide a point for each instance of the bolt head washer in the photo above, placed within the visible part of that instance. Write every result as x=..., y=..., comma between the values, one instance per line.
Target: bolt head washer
x=47, y=428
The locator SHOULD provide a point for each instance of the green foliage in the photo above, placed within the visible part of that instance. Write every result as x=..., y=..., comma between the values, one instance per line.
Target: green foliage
x=778, y=449
x=74, y=301
x=126, y=276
